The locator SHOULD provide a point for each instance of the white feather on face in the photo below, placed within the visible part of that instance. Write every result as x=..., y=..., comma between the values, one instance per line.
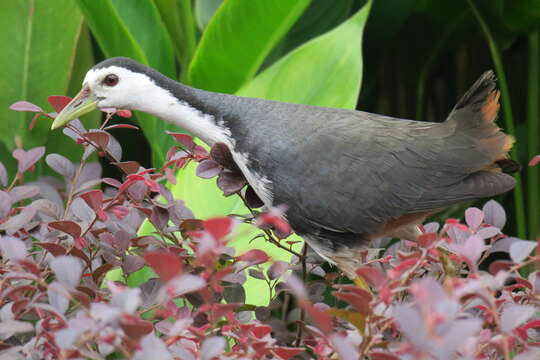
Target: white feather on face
x=137, y=91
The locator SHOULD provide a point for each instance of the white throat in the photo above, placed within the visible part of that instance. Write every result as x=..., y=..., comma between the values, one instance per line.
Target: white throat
x=161, y=103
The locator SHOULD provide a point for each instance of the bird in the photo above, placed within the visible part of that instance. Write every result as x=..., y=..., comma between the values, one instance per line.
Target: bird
x=346, y=177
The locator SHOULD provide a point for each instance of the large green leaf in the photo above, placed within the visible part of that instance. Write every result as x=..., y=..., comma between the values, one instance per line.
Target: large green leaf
x=39, y=40
x=326, y=71
x=522, y=15
x=134, y=29
x=179, y=20
x=238, y=39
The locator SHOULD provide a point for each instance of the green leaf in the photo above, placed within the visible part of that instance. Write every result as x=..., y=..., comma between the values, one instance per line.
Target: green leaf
x=177, y=16
x=39, y=39
x=522, y=15
x=238, y=39
x=204, y=10
x=327, y=71
x=134, y=29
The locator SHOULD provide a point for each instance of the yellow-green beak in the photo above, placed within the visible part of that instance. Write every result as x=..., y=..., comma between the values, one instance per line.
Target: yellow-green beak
x=83, y=103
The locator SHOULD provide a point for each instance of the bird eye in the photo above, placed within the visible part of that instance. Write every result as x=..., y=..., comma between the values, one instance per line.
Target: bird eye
x=110, y=80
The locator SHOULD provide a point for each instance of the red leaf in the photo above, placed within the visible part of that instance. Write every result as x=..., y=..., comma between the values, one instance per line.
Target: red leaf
x=166, y=265
x=375, y=355
x=360, y=303
x=26, y=107
x=261, y=331
x=218, y=227
x=58, y=102
x=372, y=275
x=254, y=257
x=134, y=327
x=427, y=240
x=101, y=139
x=121, y=126
x=69, y=227
x=184, y=139
x=129, y=167
x=286, y=352
x=94, y=199
x=120, y=211
x=124, y=113
x=112, y=182
x=320, y=317
x=54, y=249
x=28, y=158
x=534, y=161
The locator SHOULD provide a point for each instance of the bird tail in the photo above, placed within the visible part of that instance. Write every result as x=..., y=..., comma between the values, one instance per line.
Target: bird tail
x=474, y=116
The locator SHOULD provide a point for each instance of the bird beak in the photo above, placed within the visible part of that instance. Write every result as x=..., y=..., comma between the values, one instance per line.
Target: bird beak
x=83, y=103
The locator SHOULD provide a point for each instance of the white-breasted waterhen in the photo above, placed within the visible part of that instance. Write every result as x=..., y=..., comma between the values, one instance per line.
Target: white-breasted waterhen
x=346, y=176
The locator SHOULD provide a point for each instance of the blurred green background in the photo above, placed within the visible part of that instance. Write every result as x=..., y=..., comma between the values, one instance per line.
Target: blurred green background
x=403, y=58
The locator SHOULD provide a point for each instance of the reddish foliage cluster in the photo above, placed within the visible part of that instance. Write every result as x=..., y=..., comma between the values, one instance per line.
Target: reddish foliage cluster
x=441, y=297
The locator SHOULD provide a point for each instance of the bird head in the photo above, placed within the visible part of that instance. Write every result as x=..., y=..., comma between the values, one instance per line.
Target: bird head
x=116, y=83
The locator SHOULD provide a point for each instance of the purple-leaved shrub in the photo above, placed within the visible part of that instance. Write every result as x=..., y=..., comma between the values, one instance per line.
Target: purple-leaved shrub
x=435, y=298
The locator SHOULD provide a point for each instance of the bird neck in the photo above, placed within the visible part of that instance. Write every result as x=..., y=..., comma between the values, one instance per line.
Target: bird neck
x=188, y=108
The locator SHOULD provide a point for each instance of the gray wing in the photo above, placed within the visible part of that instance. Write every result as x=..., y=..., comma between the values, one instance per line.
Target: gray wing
x=357, y=172
x=351, y=171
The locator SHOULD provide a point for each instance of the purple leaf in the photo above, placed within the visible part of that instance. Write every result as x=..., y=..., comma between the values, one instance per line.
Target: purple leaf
x=296, y=286
x=132, y=263
x=26, y=107
x=8, y=328
x=472, y=248
x=58, y=297
x=521, y=249
x=12, y=248
x=3, y=175
x=503, y=245
x=68, y=270
x=513, y=315
x=18, y=222
x=179, y=212
x=22, y=192
x=81, y=210
x=345, y=349
x=125, y=299
x=212, y=347
x=207, y=169
x=152, y=348
x=77, y=124
x=494, y=214
x=431, y=227
x=28, y=158
x=256, y=274
x=5, y=204
x=407, y=319
x=531, y=353
x=61, y=165
x=488, y=232
x=474, y=217
x=457, y=336
x=277, y=269
x=230, y=182
x=185, y=284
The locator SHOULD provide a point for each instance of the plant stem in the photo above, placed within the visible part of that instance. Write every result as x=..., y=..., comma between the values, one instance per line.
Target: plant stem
x=508, y=117
x=303, y=312
x=533, y=114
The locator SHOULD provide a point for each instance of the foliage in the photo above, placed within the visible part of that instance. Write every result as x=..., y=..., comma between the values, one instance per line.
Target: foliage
x=200, y=288
x=425, y=299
